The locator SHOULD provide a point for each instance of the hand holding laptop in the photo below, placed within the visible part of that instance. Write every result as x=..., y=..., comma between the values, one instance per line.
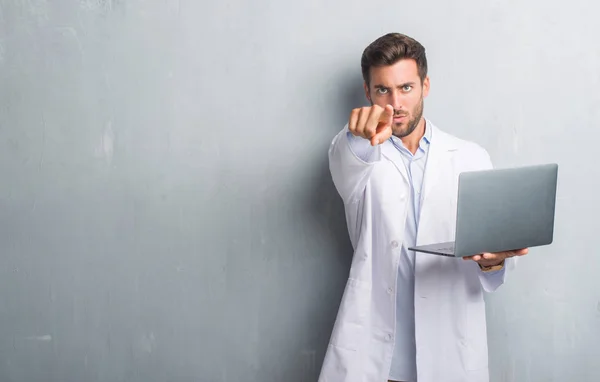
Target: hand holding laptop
x=492, y=259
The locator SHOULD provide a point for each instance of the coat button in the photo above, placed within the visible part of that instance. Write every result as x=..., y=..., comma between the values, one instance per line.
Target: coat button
x=394, y=244
x=390, y=290
x=389, y=337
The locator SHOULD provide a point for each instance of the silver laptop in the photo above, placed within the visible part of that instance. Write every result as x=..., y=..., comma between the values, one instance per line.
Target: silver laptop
x=502, y=210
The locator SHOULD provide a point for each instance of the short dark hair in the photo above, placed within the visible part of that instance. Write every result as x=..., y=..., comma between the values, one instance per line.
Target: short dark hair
x=391, y=48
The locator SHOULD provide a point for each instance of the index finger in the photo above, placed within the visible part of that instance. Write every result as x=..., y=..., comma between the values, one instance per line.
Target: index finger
x=384, y=129
x=387, y=114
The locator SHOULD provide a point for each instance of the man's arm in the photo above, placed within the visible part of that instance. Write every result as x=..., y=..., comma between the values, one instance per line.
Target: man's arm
x=355, y=149
x=491, y=280
x=493, y=267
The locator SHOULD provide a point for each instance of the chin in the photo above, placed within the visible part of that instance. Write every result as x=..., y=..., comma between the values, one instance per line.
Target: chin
x=400, y=131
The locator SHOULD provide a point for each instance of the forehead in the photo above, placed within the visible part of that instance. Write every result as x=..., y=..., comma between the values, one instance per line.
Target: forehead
x=401, y=72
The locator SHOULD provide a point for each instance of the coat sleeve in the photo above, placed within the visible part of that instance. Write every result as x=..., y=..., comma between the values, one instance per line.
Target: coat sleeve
x=351, y=161
x=490, y=281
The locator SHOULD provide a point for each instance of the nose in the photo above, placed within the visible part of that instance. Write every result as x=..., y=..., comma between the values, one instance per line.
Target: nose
x=396, y=101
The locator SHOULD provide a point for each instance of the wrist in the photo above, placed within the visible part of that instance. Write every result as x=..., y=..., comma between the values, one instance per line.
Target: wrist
x=493, y=267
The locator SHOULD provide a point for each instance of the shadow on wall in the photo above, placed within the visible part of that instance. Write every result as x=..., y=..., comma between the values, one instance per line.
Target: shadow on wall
x=326, y=211
x=324, y=202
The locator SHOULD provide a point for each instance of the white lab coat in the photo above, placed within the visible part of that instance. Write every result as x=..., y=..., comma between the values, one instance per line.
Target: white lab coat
x=450, y=322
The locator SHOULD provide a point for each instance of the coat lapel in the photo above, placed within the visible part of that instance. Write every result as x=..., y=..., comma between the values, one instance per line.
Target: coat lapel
x=390, y=152
x=440, y=153
x=438, y=161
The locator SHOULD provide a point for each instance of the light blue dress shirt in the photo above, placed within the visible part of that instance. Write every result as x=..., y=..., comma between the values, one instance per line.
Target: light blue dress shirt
x=404, y=366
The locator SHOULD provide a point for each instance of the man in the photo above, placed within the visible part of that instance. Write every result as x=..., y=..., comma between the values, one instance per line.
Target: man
x=406, y=316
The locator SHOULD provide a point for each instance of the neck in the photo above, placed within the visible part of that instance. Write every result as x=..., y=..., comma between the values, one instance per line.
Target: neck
x=411, y=141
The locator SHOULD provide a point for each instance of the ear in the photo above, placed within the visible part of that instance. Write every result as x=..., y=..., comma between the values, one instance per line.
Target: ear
x=426, y=85
x=367, y=94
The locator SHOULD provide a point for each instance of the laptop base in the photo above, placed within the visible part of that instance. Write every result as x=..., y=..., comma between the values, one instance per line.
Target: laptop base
x=442, y=249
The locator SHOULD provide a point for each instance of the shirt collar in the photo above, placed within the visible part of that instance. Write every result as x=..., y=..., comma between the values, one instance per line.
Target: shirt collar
x=427, y=135
x=423, y=142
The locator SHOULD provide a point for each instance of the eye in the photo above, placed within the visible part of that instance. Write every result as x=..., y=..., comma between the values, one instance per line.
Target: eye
x=407, y=88
x=382, y=90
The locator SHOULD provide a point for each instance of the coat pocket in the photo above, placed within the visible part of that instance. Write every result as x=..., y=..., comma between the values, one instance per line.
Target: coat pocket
x=350, y=326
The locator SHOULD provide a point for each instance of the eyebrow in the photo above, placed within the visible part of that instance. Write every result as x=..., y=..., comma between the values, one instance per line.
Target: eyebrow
x=378, y=86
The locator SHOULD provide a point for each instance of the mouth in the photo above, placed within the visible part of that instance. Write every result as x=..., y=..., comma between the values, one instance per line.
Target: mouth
x=400, y=118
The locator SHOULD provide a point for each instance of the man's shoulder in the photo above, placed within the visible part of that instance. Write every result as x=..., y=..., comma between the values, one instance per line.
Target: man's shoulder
x=455, y=141
x=462, y=147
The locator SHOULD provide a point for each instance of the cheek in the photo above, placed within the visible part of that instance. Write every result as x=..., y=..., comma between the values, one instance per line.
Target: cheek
x=414, y=103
